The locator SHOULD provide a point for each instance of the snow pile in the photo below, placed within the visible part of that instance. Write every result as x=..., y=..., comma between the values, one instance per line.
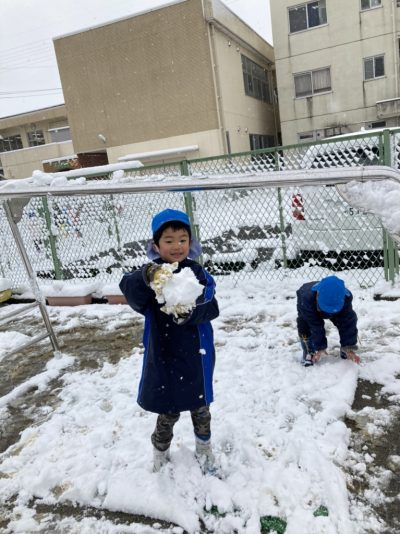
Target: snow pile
x=177, y=291
x=278, y=430
x=59, y=288
x=9, y=341
x=5, y=283
x=381, y=198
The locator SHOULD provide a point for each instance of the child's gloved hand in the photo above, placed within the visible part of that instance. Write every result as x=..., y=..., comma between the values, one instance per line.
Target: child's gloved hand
x=158, y=275
x=152, y=272
x=347, y=353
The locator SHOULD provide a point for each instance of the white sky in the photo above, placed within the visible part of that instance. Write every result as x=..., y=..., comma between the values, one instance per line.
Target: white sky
x=28, y=70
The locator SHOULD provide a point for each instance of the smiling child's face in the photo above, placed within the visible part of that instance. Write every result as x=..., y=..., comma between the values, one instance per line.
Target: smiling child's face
x=173, y=245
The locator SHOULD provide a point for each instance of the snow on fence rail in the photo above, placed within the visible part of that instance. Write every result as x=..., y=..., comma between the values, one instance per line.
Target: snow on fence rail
x=250, y=224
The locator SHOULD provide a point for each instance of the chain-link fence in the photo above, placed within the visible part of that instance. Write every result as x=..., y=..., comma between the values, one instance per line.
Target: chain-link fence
x=263, y=232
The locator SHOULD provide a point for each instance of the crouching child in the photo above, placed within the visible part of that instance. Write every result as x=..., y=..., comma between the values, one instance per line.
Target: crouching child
x=328, y=299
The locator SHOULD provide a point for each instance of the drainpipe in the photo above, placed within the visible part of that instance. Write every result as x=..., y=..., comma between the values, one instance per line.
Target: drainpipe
x=216, y=78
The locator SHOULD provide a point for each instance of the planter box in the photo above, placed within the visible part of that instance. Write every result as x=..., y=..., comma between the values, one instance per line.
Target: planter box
x=116, y=299
x=69, y=301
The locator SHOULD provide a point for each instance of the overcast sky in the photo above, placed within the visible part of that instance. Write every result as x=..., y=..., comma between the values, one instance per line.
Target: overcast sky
x=28, y=70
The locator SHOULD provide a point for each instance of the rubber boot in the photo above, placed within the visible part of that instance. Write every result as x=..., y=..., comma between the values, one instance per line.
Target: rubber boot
x=160, y=458
x=307, y=360
x=205, y=456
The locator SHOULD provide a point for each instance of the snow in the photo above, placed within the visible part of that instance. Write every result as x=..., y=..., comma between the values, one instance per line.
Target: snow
x=381, y=198
x=5, y=284
x=278, y=429
x=177, y=291
x=159, y=153
x=59, y=288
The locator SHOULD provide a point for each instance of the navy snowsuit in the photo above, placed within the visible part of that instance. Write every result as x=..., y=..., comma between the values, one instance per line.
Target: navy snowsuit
x=179, y=359
x=310, y=320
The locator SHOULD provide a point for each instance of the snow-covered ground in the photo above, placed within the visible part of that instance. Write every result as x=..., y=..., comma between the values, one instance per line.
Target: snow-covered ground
x=278, y=428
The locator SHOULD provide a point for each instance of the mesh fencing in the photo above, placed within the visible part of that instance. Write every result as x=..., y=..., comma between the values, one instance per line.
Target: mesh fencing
x=264, y=232
x=244, y=233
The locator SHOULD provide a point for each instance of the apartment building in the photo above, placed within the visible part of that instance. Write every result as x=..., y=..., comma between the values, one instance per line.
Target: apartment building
x=337, y=66
x=29, y=139
x=189, y=79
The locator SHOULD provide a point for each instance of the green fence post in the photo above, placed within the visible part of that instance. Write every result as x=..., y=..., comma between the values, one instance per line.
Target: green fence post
x=190, y=206
x=390, y=252
x=114, y=218
x=52, y=240
x=281, y=217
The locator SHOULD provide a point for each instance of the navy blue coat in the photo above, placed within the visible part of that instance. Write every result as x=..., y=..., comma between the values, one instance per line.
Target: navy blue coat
x=179, y=359
x=310, y=320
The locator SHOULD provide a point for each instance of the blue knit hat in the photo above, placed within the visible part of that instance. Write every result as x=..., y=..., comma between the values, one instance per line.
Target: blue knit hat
x=168, y=215
x=331, y=294
x=163, y=217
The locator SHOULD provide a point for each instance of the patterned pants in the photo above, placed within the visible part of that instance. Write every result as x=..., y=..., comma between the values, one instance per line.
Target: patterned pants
x=163, y=433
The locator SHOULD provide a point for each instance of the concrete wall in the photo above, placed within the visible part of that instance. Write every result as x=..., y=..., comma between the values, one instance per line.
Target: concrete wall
x=161, y=80
x=349, y=36
x=22, y=163
x=242, y=115
x=146, y=77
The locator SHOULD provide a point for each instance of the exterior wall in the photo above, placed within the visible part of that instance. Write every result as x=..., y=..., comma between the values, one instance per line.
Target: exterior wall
x=48, y=115
x=242, y=115
x=145, y=82
x=349, y=36
x=209, y=142
x=22, y=163
x=146, y=77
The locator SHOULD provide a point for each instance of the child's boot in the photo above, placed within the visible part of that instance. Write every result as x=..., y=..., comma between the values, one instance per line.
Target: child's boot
x=307, y=359
x=160, y=458
x=205, y=455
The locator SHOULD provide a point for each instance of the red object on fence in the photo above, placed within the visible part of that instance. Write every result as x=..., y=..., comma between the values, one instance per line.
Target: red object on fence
x=298, y=207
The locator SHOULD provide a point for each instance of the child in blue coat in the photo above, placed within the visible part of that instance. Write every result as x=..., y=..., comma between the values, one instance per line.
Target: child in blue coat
x=317, y=301
x=179, y=353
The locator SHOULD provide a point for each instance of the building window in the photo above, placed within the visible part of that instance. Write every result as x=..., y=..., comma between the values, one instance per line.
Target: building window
x=261, y=141
x=377, y=124
x=58, y=135
x=312, y=82
x=305, y=16
x=370, y=4
x=306, y=136
x=374, y=67
x=14, y=142
x=36, y=138
x=255, y=80
x=334, y=130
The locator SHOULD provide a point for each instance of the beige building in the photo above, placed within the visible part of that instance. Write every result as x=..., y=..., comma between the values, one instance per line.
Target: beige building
x=29, y=139
x=337, y=66
x=189, y=79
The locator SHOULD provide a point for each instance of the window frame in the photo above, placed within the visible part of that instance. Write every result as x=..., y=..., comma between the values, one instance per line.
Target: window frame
x=312, y=93
x=374, y=77
x=11, y=143
x=262, y=140
x=308, y=27
x=254, y=85
x=369, y=6
x=35, y=138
